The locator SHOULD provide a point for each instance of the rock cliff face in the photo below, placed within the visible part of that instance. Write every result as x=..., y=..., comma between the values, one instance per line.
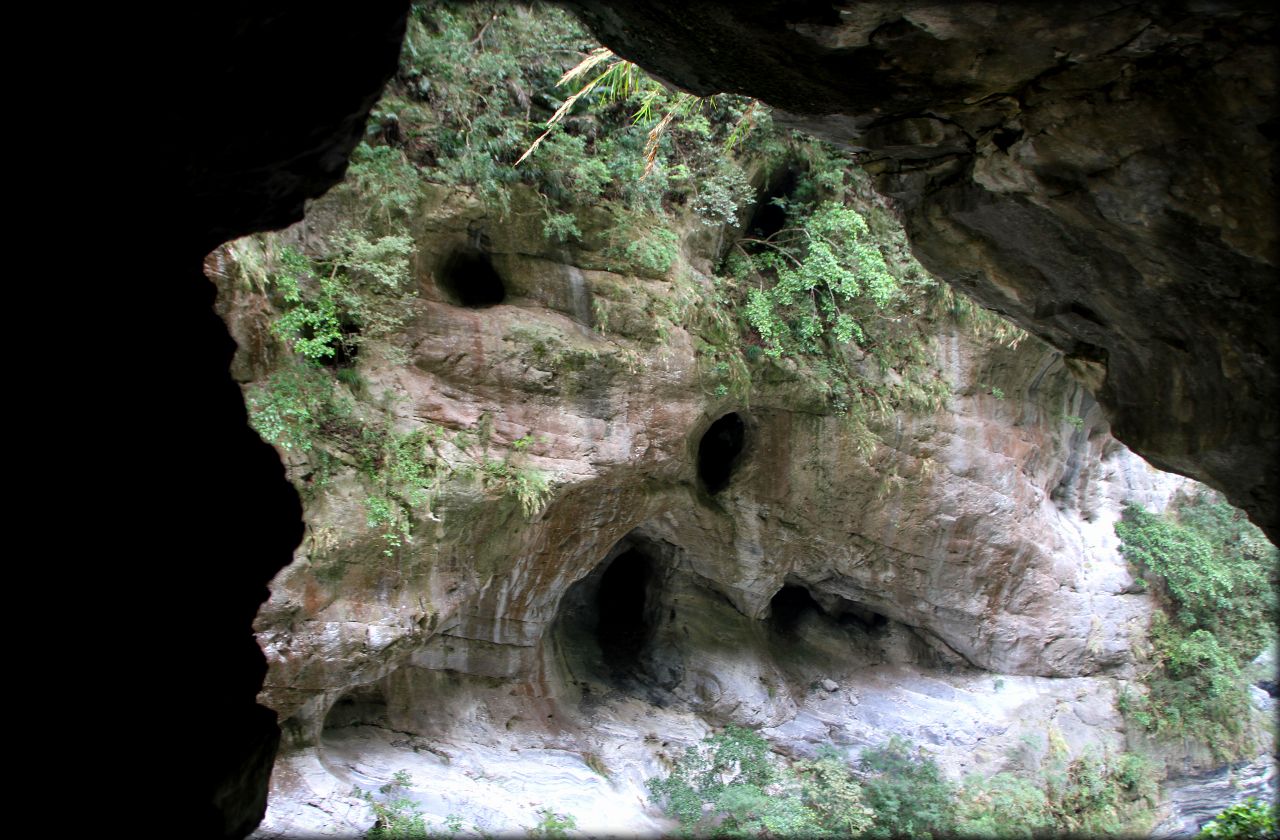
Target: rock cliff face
x=1099, y=172
x=222, y=186
x=705, y=556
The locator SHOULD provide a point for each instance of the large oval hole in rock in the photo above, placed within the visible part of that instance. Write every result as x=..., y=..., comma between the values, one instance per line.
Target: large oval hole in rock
x=364, y=705
x=607, y=622
x=469, y=279
x=719, y=451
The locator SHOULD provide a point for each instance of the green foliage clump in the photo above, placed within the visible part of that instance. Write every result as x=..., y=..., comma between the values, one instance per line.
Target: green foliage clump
x=357, y=292
x=397, y=816
x=483, y=87
x=553, y=825
x=1003, y=805
x=1214, y=574
x=906, y=791
x=296, y=406
x=1249, y=820
x=728, y=785
x=822, y=270
x=1087, y=796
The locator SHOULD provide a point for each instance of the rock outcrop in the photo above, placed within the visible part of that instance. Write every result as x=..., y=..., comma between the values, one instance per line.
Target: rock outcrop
x=1101, y=173
x=705, y=554
x=220, y=185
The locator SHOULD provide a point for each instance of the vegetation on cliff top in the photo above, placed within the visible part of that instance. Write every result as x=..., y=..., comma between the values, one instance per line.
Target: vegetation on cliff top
x=819, y=276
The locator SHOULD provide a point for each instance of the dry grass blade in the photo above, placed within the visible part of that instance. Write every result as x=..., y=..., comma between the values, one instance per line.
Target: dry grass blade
x=593, y=58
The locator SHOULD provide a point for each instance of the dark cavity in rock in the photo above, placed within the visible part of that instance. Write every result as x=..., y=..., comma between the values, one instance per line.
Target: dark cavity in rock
x=469, y=279
x=364, y=705
x=623, y=627
x=768, y=218
x=793, y=603
x=790, y=605
x=607, y=622
x=719, y=452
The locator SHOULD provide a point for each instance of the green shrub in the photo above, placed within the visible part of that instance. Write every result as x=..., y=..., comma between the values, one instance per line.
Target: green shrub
x=1214, y=575
x=907, y=792
x=397, y=817
x=296, y=407
x=1003, y=805
x=1250, y=820
x=553, y=825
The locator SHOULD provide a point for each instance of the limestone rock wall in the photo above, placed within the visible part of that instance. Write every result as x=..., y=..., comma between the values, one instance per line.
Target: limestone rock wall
x=967, y=525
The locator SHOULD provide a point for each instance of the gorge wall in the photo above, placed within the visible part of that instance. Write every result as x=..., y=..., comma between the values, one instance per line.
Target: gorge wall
x=704, y=555
x=217, y=190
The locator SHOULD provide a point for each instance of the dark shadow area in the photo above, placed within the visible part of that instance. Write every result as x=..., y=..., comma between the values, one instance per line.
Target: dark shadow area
x=793, y=603
x=768, y=219
x=364, y=705
x=469, y=279
x=790, y=605
x=720, y=450
x=853, y=615
x=623, y=627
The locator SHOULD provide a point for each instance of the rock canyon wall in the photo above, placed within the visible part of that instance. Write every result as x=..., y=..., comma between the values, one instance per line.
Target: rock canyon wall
x=704, y=555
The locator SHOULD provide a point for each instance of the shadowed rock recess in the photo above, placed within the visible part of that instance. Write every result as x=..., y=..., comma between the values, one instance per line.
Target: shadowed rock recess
x=1102, y=173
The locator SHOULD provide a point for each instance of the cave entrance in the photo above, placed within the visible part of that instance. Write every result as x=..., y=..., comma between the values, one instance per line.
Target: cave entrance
x=364, y=705
x=794, y=603
x=469, y=279
x=623, y=627
x=789, y=606
x=768, y=219
x=719, y=451
x=607, y=623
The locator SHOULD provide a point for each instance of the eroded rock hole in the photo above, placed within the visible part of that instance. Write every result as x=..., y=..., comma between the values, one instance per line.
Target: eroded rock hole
x=719, y=452
x=608, y=625
x=790, y=606
x=364, y=705
x=469, y=279
x=768, y=219
x=623, y=627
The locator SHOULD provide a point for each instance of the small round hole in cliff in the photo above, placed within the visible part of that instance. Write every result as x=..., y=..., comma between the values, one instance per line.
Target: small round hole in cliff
x=720, y=450
x=469, y=279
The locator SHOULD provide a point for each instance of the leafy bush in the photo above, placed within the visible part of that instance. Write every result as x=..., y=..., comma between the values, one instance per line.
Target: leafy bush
x=397, y=817
x=296, y=407
x=553, y=825
x=822, y=269
x=1250, y=820
x=360, y=288
x=1214, y=575
x=1003, y=805
x=907, y=791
